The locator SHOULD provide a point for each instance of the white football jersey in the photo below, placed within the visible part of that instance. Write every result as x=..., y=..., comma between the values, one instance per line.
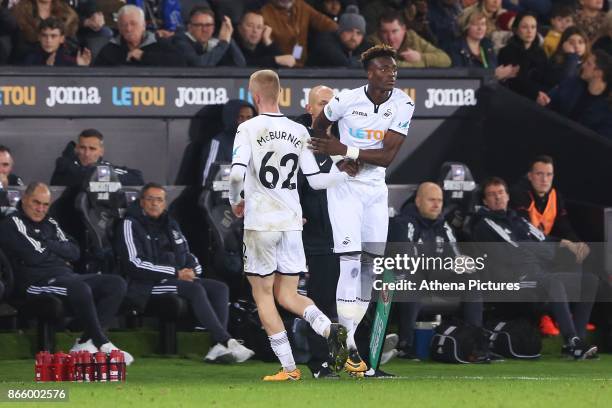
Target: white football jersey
x=272, y=147
x=363, y=124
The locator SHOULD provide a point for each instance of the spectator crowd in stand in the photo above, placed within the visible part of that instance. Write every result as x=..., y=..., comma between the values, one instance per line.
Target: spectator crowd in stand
x=536, y=49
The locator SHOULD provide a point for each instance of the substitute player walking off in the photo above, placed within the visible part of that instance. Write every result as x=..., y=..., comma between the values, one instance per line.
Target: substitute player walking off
x=267, y=151
x=373, y=121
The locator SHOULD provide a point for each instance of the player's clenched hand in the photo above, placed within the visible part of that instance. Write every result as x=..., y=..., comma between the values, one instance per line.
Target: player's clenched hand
x=326, y=144
x=350, y=167
x=238, y=209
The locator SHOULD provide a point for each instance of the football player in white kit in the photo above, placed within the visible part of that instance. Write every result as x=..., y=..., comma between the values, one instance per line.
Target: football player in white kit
x=267, y=151
x=373, y=121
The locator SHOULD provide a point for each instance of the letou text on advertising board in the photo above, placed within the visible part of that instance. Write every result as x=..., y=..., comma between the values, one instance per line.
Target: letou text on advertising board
x=49, y=96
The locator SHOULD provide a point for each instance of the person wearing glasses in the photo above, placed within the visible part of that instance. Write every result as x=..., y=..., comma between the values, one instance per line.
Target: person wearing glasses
x=198, y=46
x=155, y=257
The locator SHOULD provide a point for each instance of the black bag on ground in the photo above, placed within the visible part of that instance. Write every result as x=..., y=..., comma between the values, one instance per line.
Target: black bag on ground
x=518, y=339
x=458, y=342
x=244, y=324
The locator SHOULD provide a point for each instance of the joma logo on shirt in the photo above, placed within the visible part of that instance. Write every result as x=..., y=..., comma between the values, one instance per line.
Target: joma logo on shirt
x=355, y=112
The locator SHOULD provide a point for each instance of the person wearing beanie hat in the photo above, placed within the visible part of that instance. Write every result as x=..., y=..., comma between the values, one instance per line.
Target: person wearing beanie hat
x=502, y=35
x=351, y=20
x=505, y=20
x=344, y=47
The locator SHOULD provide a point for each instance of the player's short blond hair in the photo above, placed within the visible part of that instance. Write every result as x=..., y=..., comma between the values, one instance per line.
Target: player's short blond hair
x=266, y=84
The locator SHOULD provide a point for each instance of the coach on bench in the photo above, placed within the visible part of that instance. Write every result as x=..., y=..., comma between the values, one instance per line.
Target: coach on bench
x=156, y=258
x=43, y=254
x=424, y=225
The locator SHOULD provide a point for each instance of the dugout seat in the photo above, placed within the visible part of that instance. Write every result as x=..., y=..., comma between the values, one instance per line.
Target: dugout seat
x=101, y=206
x=458, y=187
x=9, y=197
x=225, y=229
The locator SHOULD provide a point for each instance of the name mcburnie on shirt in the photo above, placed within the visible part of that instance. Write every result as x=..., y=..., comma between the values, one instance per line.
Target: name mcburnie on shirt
x=280, y=135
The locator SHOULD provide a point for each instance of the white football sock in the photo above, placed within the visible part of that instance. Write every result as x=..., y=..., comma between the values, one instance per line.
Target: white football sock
x=282, y=349
x=317, y=319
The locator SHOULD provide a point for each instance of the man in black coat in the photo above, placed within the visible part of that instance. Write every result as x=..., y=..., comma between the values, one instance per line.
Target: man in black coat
x=323, y=264
x=135, y=46
x=78, y=160
x=43, y=254
x=73, y=169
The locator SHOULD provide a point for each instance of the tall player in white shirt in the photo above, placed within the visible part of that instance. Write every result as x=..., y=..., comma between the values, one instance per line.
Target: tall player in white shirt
x=267, y=151
x=373, y=121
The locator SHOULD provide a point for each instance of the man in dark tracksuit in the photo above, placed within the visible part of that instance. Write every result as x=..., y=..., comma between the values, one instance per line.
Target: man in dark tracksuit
x=156, y=258
x=515, y=259
x=423, y=224
x=323, y=264
x=74, y=169
x=43, y=253
x=317, y=236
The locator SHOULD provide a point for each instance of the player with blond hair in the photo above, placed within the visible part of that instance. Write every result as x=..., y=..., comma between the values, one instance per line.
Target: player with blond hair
x=267, y=152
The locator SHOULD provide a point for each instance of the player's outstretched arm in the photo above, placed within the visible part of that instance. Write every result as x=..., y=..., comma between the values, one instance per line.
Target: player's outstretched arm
x=316, y=179
x=392, y=142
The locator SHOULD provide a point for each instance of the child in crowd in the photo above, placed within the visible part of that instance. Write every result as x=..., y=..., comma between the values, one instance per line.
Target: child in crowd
x=561, y=17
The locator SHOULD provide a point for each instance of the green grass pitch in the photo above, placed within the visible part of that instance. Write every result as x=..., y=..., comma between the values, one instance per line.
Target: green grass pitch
x=181, y=382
